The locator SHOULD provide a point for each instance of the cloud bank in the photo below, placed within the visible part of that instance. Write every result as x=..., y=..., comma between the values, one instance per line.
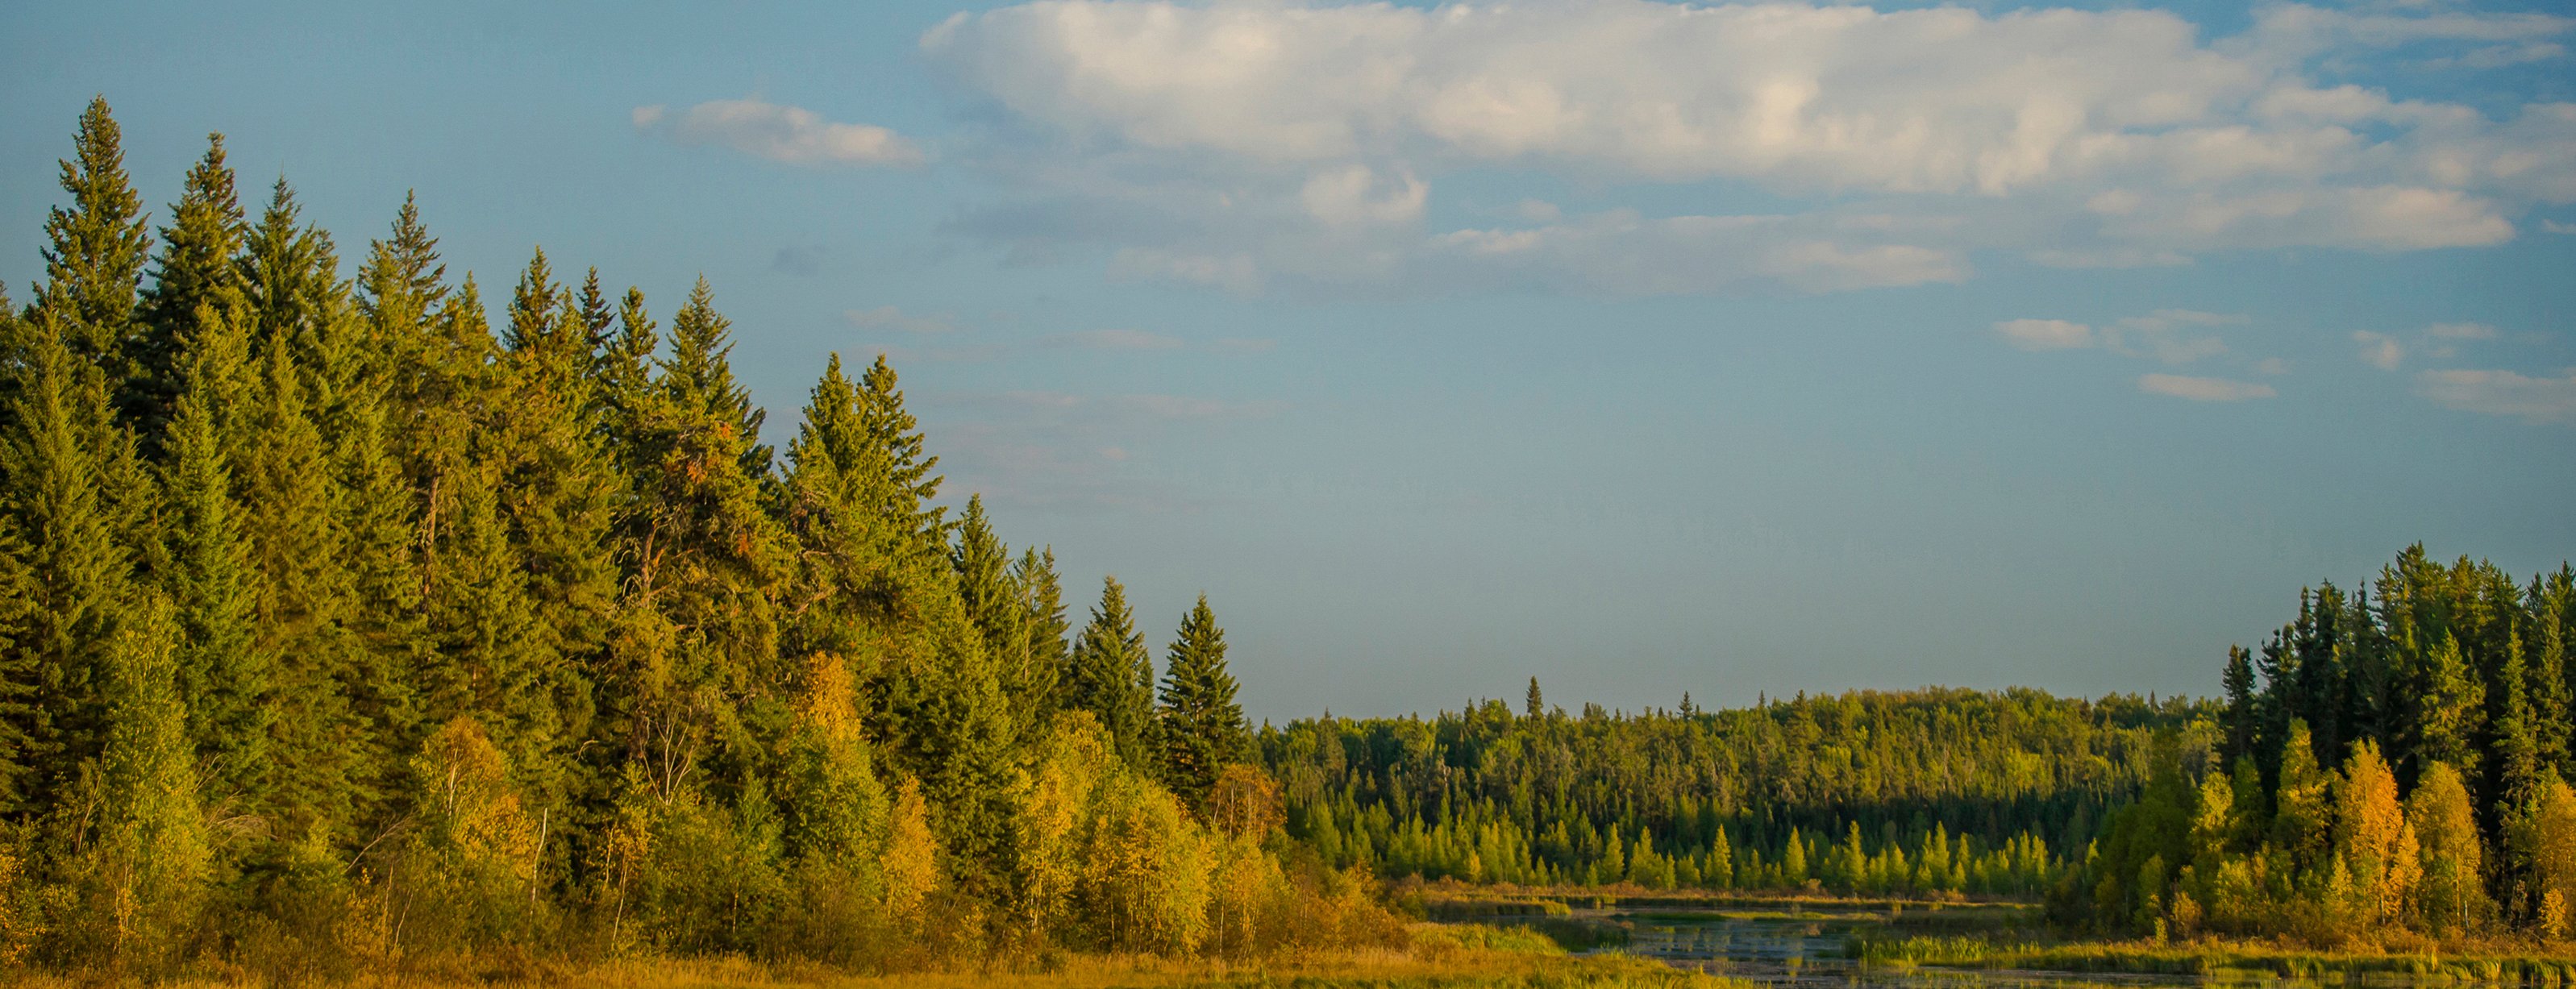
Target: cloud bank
x=787, y=134
x=1248, y=145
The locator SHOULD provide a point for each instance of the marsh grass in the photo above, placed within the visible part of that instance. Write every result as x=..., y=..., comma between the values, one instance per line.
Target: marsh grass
x=2410, y=965
x=1433, y=956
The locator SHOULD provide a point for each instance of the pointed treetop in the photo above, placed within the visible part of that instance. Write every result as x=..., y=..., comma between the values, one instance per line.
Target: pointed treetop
x=95, y=246
x=403, y=280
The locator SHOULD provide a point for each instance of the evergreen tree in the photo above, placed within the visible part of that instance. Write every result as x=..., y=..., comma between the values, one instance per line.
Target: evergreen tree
x=223, y=679
x=1109, y=663
x=76, y=571
x=2242, y=723
x=1202, y=727
x=299, y=552
x=998, y=604
x=96, y=248
x=195, y=268
x=1042, y=602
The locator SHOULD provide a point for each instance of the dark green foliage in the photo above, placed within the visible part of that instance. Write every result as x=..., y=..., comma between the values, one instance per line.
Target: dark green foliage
x=223, y=677
x=195, y=269
x=74, y=574
x=1200, y=725
x=1112, y=676
x=95, y=248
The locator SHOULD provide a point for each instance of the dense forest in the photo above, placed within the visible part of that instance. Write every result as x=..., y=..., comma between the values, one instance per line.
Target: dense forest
x=344, y=622
x=342, y=627
x=2391, y=764
x=1937, y=791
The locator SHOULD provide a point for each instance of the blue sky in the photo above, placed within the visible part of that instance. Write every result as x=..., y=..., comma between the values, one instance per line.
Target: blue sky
x=1643, y=347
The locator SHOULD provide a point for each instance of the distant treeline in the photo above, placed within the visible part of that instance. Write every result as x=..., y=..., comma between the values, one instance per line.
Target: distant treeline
x=339, y=628
x=1936, y=791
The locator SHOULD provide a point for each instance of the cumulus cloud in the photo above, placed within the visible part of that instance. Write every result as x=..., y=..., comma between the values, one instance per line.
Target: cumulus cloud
x=2170, y=335
x=788, y=134
x=2503, y=393
x=2045, y=334
x=2380, y=350
x=2202, y=389
x=1247, y=146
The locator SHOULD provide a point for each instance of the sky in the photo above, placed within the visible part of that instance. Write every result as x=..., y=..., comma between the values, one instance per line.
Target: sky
x=1642, y=347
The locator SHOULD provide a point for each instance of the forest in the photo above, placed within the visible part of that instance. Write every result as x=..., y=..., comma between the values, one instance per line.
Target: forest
x=344, y=623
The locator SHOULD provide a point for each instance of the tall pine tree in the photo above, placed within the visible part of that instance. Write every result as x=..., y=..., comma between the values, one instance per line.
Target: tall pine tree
x=1202, y=727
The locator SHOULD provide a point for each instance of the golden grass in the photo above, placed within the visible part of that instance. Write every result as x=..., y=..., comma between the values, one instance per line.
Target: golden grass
x=1435, y=957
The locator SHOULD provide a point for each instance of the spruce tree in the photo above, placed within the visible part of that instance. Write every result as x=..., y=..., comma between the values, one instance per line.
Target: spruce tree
x=76, y=572
x=2242, y=723
x=904, y=489
x=300, y=552
x=997, y=603
x=223, y=678
x=96, y=248
x=560, y=493
x=1109, y=662
x=1042, y=601
x=195, y=268
x=1202, y=727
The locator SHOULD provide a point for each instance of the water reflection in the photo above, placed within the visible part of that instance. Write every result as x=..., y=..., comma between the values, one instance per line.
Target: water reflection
x=1804, y=954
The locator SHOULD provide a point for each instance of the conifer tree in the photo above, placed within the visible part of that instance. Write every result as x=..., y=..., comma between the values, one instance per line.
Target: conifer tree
x=195, y=268
x=96, y=248
x=560, y=492
x=2242, y=722
x=998, y=605
x=223, y=678
x=1042, y=601
x=1109, y=662
x=76, y=571
x=906, y=486
x=299, y=551
x=1202, y=727
x=2449, y=701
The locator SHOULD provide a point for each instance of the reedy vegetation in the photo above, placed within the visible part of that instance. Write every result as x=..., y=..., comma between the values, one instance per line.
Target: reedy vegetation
x=339, y=630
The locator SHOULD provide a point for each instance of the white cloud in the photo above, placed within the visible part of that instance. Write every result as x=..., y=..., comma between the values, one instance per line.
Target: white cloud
x=2045, y=334
x=2380, y=350
x=1112, y=340
x=1251, y=145
x=788, y=134
x=2272, y=366
x=2202, y=389
x=2503, y=393
x=2553, y=226
x=891, y=318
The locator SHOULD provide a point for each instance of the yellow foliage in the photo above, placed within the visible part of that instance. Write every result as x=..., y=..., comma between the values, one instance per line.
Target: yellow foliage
x=2368, y=824
x=1145, y=881
x=2450, y=895
x=911, y=858
x=1245, y=801
x=1069, y=769
x=2552, y=831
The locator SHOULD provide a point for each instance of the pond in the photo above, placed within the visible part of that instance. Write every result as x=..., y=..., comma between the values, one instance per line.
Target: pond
x=1810, y=953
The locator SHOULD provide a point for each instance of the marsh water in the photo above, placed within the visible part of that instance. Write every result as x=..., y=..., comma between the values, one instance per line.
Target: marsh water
x=1807, y=951
x=1793, y=953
